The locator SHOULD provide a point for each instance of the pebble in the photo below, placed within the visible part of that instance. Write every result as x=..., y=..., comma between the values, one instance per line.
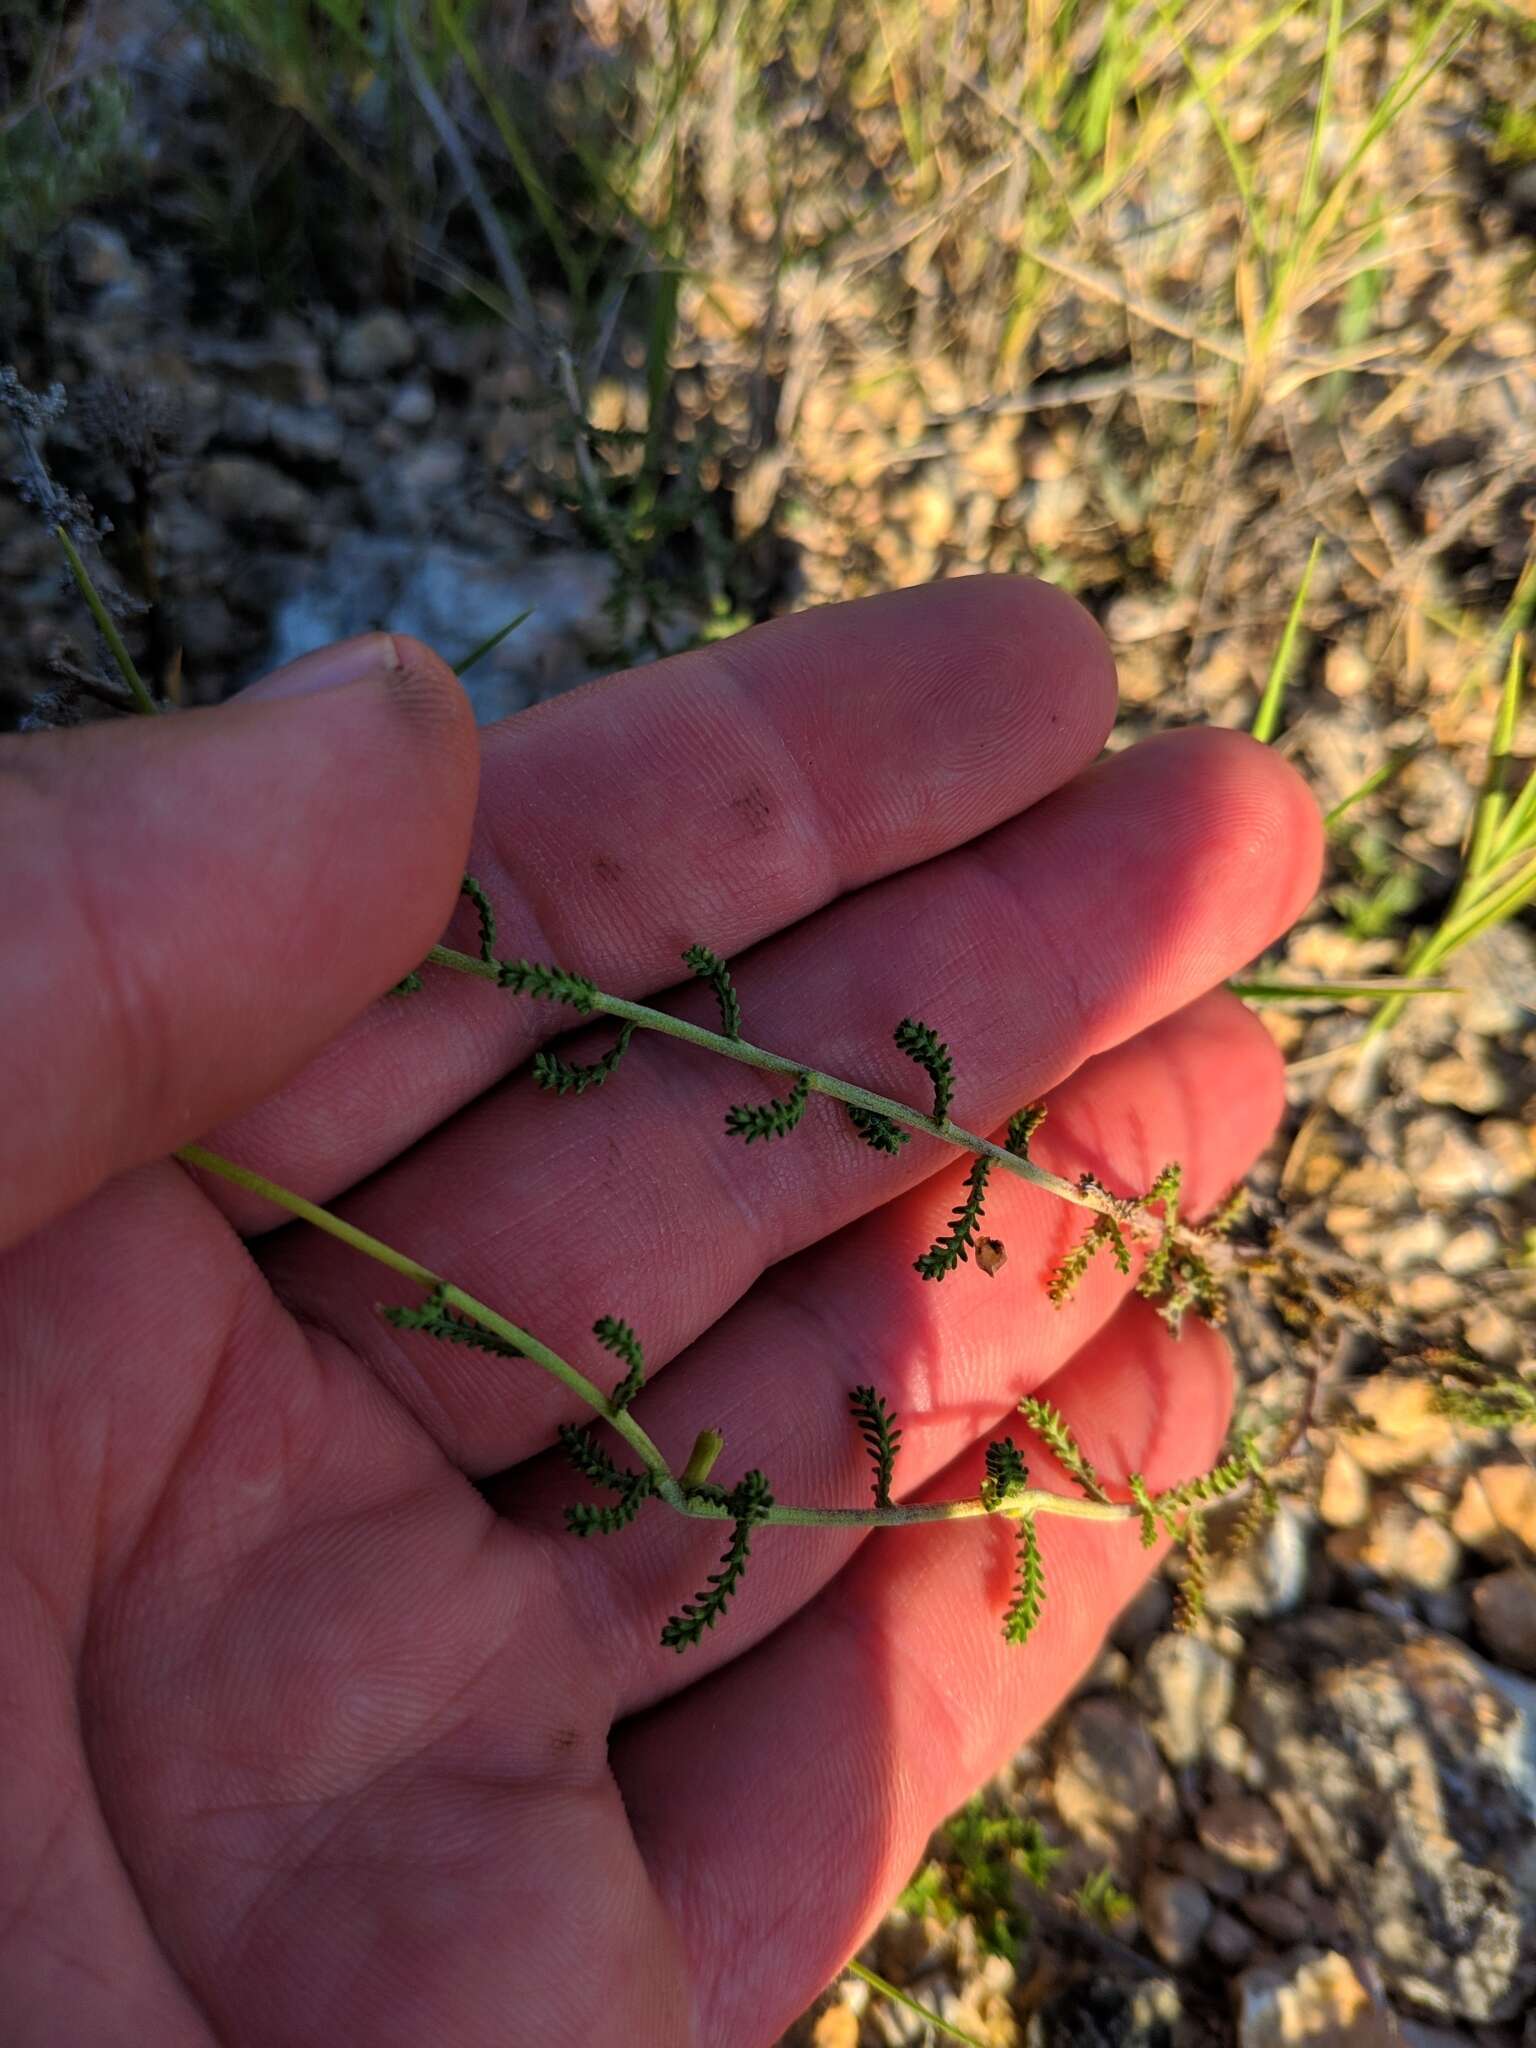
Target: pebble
x=1175, y=1912
x=1278, y=1918
x=1448, y=1166
x=1418, y=1241
x=255, y=497
x=374, y=346
x=838, y=2027
x=1108, y=1778
x=1228, y=1940
x=98, y=255
x=1220, y=1879
x=1505, y=1606
x=1315, y=2002
x=1344, y=1498
x=1497, y=1509
x=1188, y=1685
x=1493, y=1334
x=1246, y=1833
x=1430, y=1294
x=1472, y=1250
x=1408, y=1429
x=1461, y=1083
x=413, y=404
x=1265, y=1577
x=1403, y=1546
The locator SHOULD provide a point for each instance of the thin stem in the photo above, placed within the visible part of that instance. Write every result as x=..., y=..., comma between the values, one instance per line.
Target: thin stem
x=1027, y=1501
x=749, y=1055
x=106, y=625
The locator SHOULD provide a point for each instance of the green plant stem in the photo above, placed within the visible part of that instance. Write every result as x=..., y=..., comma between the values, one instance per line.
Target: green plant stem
x=749, y=1055
x=899, y=1997
x=105, y=625
x=1026, y=1501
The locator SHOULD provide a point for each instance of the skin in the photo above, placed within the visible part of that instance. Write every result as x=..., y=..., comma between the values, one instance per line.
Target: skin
x=317, y=1727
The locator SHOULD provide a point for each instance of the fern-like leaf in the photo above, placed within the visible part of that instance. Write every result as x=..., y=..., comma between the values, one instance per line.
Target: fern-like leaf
x=1029, y=1587
x=747, y=1502
x=774, y=1119
x=924, y=1045
x=615, y=1335
x=471, y=888
x=710, y=967
x=953, y=1248
x=881, y=1133
x=1221, y=1480
x=1151, y=1511
x=1103, y=1231
x=1049, y=1424
x=877, y=1426
x=598, y=1469
x=435, y=1319
x=1022, y=1127
x=586, y=1520
x=1006, y=1472
x=567, y=1077
x=547, y=984
x=1197, y=1569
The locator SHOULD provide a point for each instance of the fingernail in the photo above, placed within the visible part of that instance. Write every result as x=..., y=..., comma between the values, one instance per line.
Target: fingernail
x=329, y=668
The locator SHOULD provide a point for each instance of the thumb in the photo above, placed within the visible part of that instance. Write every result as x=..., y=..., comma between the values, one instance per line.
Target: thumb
x=193, y=905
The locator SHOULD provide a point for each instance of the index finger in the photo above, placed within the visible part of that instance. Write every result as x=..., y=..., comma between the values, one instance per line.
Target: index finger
x=717, y=797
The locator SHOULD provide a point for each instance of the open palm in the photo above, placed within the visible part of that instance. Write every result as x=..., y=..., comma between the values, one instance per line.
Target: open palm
x=317, y=1726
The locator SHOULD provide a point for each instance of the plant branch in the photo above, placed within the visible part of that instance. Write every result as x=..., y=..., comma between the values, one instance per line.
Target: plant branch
x=746, y=1054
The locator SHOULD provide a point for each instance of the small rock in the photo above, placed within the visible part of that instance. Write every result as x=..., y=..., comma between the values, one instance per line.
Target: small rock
x=1277, y=1918
x=838, y=2027
x=1493, y=1334
x=1505, y=1606
x=1265, y=1577
x=1175, y=1912
x=1229, y=1941
x=1417, y=1241
x=254, y=497
x=1408, y=1429
x=1108, y=1778
x=1472, y=1250
x=1246, y=1833
x=1497, y=1510
x=1095, y=2012
x=1144, y=1617
x=1220, y=1879
x=1450, y=1612
x=375, y=346
x=1448, y=1166
x=1430, y=1294
x=306, y=433
x=97, y=254
x=1461, y=1083
x=1230, y=1749
x=413, y=404
x=1318, y=2002
x=1406, y=1773
x=1408, y=1548
x=1344, y=1498
x=1189, y=1686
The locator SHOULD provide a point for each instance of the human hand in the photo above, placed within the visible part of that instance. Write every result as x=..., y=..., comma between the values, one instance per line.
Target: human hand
x=305, y=1742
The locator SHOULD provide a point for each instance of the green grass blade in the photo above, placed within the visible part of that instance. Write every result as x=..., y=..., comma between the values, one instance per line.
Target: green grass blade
x=1308, y=199
x=1405, y=90
x=935, y=2020
x=1237, y=162
x=1378, y=779
x=1266, y=721
x=462, y=668
x=1265, y=990
x=1491, y=804
x=138, y=689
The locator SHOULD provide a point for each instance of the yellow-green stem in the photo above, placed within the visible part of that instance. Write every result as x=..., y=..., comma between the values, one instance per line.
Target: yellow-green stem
x=668, y=1487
